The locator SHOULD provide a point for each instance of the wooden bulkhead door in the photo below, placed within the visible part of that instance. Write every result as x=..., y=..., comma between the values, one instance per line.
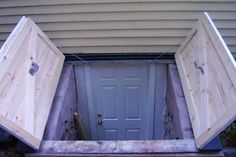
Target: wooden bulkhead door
x=30, y=66
x=208, y=75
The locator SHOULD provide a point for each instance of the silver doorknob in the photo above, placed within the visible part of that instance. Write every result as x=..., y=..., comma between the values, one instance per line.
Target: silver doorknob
x=99, y=114
x=99, y=122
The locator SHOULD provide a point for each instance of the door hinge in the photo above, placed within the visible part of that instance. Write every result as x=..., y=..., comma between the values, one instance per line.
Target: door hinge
x=33, y=68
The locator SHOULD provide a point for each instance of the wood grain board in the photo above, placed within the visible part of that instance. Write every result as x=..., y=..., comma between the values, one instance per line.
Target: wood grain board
x=30, y=66
x=208, y=75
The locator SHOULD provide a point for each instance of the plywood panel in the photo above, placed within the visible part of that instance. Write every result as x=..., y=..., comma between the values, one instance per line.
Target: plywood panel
x=30, y=67
x=207, y=70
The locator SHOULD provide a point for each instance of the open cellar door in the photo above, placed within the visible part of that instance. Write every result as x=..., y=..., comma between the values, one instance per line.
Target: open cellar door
x=208, y=75
x=30, y=66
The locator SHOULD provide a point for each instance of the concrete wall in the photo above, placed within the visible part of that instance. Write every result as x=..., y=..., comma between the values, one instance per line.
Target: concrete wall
x=112, y=26
x=176, y=105
x=60, y=124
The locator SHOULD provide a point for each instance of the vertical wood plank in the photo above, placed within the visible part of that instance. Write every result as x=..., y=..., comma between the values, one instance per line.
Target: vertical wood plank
x=201, y=64
x=30, y=92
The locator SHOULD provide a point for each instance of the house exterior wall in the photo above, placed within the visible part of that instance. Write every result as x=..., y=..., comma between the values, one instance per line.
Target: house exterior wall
x=119, y=26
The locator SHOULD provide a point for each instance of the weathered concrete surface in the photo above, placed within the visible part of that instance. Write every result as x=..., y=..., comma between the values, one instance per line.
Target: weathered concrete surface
x=64, y=105
x=131, y=155
x=176, y=105
x=229, y=152
x=122, y=148
x=150, y=146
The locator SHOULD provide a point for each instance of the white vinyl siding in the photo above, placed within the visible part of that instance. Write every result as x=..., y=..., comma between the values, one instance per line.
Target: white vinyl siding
x=119, y=26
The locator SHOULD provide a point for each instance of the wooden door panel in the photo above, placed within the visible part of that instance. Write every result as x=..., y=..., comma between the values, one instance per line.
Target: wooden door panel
x=207, y=70
x=30, y=66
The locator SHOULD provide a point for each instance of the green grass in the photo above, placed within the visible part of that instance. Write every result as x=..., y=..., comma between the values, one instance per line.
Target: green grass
x=228, y=136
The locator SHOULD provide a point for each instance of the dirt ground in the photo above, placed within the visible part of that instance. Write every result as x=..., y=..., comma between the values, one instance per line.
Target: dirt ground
x=168, y=126
x=8, y=149
x=71, y=131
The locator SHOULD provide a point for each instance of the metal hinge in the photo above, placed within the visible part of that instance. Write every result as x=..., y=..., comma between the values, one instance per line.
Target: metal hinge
x=33, y=68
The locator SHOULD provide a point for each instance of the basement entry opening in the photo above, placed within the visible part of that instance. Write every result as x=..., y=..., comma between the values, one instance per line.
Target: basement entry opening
x=125, y=99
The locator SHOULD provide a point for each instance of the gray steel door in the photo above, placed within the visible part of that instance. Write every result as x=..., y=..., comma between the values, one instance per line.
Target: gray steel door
x=119, y=102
